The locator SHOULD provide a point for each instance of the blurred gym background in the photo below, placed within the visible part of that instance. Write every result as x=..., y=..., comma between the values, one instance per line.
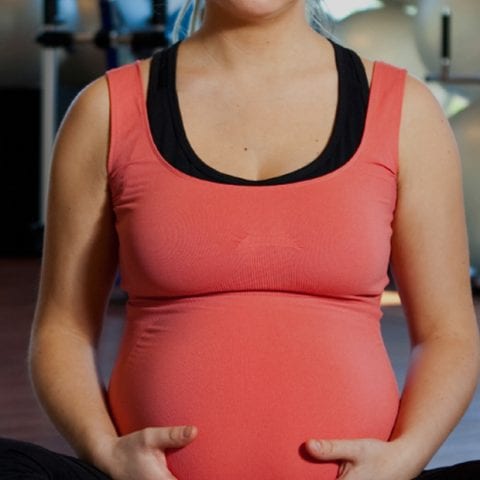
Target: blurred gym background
x=52, y=49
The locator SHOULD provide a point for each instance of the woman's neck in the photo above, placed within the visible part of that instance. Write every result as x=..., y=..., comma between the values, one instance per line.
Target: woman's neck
x=256, y=38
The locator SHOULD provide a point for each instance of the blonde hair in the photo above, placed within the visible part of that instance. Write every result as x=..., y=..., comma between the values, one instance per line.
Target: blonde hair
x=315, y=13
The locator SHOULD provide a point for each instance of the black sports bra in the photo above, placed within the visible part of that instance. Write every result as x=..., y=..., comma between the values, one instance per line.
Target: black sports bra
x=170, y=138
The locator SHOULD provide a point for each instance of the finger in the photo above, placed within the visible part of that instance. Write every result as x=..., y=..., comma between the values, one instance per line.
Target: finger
x=170, y=437
x=349, y=450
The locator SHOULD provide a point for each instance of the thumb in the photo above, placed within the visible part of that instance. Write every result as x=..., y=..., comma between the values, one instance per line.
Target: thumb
x=172, y=437
x=335, y=449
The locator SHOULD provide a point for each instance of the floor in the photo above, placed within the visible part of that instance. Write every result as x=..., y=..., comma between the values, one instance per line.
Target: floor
x=22, y=418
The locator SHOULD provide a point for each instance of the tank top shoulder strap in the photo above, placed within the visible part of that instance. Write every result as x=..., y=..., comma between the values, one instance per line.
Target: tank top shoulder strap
x=127, y=123
x=384, y=113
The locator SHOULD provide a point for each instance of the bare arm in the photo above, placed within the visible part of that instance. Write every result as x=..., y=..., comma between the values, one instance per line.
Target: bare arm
x=430, y=263
x=78, y=268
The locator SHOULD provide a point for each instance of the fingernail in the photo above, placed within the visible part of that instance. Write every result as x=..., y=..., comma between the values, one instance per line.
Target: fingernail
x=187, y=431
x=316, y=445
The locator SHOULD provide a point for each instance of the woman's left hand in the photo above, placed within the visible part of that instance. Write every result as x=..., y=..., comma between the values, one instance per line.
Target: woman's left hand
x=364, y=459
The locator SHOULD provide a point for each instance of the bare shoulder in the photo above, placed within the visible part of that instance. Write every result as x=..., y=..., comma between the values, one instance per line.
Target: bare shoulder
x=92, y=102
x=84, y=130
x=419, y=104
x=426, y=139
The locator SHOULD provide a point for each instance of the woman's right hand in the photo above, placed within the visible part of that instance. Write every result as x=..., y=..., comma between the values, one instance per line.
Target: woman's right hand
x=140, y=455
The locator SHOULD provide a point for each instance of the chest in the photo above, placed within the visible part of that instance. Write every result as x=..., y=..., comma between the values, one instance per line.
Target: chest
x=189, y=237
x=258, y=131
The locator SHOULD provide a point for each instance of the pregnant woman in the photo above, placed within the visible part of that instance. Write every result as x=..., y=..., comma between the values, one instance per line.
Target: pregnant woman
x=253, y=182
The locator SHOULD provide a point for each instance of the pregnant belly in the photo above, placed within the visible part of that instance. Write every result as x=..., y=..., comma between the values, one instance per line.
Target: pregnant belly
x=258, y=375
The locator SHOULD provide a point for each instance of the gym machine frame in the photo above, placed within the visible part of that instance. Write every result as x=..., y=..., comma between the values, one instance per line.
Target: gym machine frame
x=446, y=58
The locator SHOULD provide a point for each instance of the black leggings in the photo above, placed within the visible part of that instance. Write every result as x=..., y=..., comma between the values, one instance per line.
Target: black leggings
x=24, y=460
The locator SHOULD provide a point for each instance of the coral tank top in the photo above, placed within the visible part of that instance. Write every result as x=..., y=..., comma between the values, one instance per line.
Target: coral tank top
x=253, y=311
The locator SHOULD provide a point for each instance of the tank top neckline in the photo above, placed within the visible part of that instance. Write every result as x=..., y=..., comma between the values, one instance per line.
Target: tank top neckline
x=339, y=122
x=259, y=183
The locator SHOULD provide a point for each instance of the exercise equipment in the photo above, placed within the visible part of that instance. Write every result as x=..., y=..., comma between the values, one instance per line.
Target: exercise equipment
x=447, y=48
x=387, y=34
x=55, y=36
x=377, y=34
x=83, y=62
x=20, y=56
